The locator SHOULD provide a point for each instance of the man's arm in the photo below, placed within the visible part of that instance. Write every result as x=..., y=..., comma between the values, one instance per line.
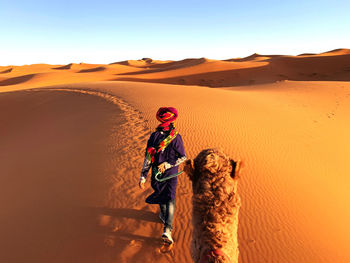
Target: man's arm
x=145, y=167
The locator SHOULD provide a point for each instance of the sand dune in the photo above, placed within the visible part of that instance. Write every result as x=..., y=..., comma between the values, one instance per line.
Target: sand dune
x=92, y=70
x=255, y=69
x=339, y=52
x=135, y=63
x=72, y=148
x=6, y=71
x=306, y=54
x=252, y=57
x=159, y=67
x=16, y=80
x=335, y=52
x=68, y=66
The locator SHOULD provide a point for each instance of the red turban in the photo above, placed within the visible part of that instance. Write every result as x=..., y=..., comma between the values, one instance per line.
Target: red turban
x=166, y=115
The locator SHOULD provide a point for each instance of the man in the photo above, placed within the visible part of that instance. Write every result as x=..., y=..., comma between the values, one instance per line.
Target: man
x=164, y=152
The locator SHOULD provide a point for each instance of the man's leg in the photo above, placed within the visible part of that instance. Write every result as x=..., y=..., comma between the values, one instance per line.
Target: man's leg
x=162, y=214
x=169, y=216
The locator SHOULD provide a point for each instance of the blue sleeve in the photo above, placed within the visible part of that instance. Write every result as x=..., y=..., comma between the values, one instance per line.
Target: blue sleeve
x=146, y=164
x=180, y=151
x=179, y=146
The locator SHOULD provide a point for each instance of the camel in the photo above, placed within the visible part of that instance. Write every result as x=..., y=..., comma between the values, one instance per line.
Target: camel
x=215, y=207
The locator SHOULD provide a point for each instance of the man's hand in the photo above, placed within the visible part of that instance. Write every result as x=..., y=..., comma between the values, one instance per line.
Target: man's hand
x=164, y=166
x=142, y=183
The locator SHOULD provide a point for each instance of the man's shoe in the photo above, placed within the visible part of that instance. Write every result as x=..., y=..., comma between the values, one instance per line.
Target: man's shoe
x=166, y=236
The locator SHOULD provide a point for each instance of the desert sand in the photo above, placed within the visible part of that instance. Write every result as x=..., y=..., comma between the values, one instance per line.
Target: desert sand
x=72, y=145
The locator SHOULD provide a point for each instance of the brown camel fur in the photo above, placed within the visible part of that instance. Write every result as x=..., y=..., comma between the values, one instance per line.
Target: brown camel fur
x=215, y=207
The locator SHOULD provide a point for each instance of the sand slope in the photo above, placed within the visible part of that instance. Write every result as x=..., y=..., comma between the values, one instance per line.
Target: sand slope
x=71, y=155
x=52, y=163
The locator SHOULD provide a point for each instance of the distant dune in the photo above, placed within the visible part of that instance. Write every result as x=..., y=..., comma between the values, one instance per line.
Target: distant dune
x=16, y=80
x=92, y=70
x=73, y=139
x=6, y=71
x=255, y=69
x=68, y=66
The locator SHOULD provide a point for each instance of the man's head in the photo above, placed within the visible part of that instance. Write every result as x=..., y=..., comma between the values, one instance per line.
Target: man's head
x=166, y=114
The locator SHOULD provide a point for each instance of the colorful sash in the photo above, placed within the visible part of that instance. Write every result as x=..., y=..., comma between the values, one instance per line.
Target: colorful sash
x=151, y=151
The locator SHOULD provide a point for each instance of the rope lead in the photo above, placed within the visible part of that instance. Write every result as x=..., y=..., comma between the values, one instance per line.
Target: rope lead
x=165, y=178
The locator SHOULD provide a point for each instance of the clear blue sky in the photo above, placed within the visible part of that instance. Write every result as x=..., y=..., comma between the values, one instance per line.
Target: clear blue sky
x=59, y=32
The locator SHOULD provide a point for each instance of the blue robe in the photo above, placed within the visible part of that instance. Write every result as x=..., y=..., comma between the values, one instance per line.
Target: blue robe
x=164, y=191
